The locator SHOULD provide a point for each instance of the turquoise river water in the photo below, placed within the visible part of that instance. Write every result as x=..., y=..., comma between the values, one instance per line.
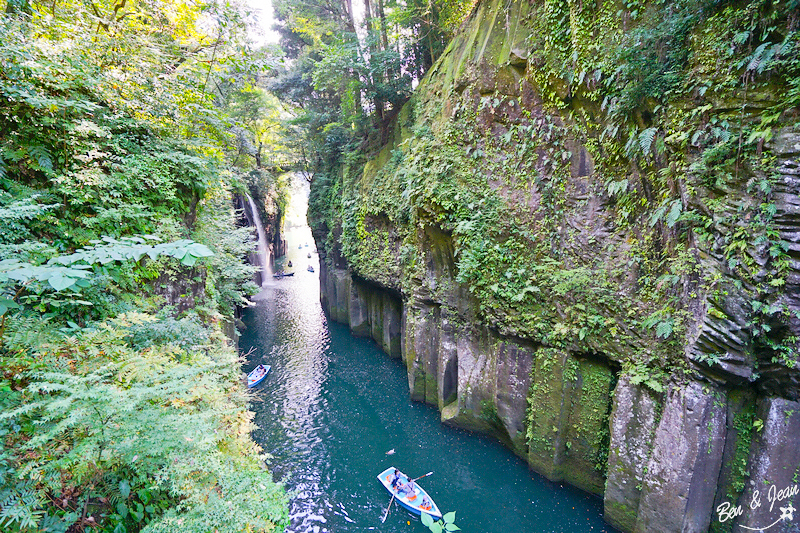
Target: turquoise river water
x=334, y=405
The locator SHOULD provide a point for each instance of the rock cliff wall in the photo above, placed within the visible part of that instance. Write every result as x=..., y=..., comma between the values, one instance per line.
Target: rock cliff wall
x=583, y=239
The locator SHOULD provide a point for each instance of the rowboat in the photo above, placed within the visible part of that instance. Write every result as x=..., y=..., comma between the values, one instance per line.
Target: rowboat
x=257, y=375
x=310, y=268
x=280, y=275
x=417, y=503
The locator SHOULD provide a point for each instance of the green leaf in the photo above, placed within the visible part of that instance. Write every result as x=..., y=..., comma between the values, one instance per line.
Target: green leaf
x=664, y=329
x=674, y=213
x=450, y=517
x=451, y=527
x=199, y=250
x=616, y=187
x=6, y=304
x=144, y=495
x=122, y=509
x=436, y=527
x=427, y=521
x=655, y=385
x=188, y=260
x=657, y=215
x=124, y=488
x=646, y=139
x=60, y=282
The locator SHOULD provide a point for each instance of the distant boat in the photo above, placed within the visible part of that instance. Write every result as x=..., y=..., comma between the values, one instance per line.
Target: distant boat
x=411, y=502
x=306, y=245
x=257, y=375
x=310, y=268
x=309, y=255
x=300, y=247
x=280, y=275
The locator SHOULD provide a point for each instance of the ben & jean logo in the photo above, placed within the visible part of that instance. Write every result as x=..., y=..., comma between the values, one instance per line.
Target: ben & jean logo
x=726, y=511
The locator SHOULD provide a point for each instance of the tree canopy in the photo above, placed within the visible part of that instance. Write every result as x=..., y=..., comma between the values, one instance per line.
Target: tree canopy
x=350, y=67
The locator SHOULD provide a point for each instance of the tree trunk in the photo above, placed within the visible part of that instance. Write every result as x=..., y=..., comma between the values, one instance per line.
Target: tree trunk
x=384, y=35
x=375, y=77
x=350, y=27
x=350, y=23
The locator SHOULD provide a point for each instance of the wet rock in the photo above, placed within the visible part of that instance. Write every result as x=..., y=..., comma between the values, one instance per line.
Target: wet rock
x=722, y=346
x=740, y=414
x=549, y=393
x=685, y=462
x=586, y=433
x=421, y=351
x=336, y=292
x=512, y=382
x=471, y=363
x=566, y=428
x=359, y=310
x=634, y=417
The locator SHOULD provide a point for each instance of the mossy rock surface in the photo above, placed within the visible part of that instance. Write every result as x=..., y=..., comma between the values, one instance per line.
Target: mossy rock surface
x=615, y=192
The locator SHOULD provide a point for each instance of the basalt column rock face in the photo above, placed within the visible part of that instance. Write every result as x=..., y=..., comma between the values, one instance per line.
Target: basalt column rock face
x=583, y=238
x=568, y=420
x=634, y=418
x=685, y=461
x=488, y=383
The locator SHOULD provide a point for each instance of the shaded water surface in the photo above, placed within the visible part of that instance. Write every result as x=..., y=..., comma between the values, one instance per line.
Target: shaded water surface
x=334, y=404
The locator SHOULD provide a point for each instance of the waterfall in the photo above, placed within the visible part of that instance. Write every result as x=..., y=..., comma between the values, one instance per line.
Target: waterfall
x=262, y=255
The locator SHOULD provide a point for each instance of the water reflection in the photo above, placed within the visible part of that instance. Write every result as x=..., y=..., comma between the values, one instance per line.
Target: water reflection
x=290, y=333
x=334, y=405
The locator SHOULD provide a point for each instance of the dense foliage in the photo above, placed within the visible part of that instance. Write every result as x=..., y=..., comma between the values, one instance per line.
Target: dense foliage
x=127, y=128
x=603, y=149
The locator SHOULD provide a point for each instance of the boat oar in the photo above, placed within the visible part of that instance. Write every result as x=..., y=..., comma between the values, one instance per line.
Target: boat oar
x=387, y=509
x=422, y=476
x=385, y=514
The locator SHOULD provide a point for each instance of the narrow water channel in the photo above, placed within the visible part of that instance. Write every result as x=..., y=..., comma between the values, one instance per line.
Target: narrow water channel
x=334, y=405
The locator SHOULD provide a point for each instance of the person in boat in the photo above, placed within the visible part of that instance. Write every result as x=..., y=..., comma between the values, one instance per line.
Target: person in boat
x=394, y=478
x=290, y=264
x=408, y=489
x=425, y=504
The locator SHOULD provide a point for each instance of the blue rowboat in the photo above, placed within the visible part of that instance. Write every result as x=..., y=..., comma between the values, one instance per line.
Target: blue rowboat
x=257, y=375
x=419, y=502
